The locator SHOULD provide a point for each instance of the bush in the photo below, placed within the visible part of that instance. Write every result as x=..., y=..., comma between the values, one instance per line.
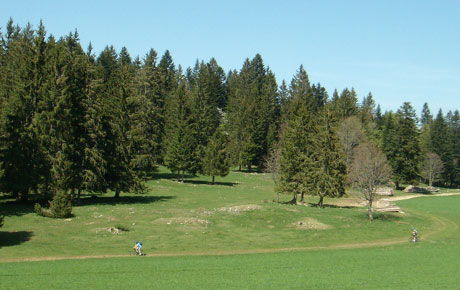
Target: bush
x=61, y=205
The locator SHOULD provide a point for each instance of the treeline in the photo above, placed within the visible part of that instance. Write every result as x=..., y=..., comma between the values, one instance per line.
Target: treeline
x=72, y=121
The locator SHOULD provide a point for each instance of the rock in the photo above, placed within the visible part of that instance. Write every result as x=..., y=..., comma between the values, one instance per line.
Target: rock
x=382, y=203
x=385, y=191
x=416, y=189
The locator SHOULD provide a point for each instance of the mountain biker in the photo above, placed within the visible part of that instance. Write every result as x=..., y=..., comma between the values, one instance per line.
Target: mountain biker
x=138, y=248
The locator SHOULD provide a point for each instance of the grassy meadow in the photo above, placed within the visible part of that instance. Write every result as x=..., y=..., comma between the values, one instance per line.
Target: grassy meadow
x=229, y=235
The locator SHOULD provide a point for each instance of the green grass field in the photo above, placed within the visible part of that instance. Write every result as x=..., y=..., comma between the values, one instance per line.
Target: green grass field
x=230, y=236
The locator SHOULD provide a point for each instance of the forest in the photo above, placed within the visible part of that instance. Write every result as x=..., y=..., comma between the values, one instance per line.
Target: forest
x=72, y=121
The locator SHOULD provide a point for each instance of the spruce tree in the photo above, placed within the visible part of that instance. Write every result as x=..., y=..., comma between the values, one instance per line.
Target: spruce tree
x=401, y=144
x=441, y=145
x=299, y=149
x=116, y=146
x=216, y=159
x=180, y=155
x=331, y=171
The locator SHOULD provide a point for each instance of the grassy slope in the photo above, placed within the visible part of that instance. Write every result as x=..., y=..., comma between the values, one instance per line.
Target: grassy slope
x=147, y=217
x=430, y=264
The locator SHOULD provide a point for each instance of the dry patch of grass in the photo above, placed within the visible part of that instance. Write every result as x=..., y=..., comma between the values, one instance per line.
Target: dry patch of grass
x=239, y=208
x=182, y=221
x=310, y=224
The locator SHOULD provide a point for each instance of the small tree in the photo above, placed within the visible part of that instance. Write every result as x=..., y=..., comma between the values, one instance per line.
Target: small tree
x=61, y=206
x=368, y=170
x=216, y=159
x=432, y=167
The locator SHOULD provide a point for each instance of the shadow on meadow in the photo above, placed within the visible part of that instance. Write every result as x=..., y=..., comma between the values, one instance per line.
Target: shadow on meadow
x=166, y=175
x=108, y=200
x=203, y=182
x=11, y=207
x=8, y=239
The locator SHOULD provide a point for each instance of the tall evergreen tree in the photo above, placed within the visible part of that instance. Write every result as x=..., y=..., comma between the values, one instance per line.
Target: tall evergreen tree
x=298, y=160
x=426, y=117
x=403, y=147
x=119, y=174
x=216, y=159
x=331, y=172
x=180, y=154
x=441, y=145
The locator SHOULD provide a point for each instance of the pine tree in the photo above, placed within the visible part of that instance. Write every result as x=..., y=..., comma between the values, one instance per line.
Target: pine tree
x=146, y=115
x=180, y=155
x=454, y=126
x=331, y=172
x=320, y=97
x=402, y=147
x=119, y=175
x=216, y=159
x=426, y=117
x=299, y=148
x=251, y=112
x=441, y=145
x=19, y=151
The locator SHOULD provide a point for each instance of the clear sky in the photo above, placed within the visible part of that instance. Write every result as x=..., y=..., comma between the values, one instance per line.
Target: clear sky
x=398, y=50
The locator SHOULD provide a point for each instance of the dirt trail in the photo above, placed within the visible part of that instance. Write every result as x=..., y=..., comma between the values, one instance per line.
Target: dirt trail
x=404, y=197
x=441, y=224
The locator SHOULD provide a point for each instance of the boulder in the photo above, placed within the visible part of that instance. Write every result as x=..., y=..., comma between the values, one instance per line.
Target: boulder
x=417, y=189
x=385, y=191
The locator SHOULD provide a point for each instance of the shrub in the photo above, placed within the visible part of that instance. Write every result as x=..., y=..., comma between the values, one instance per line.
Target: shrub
x=61, y=205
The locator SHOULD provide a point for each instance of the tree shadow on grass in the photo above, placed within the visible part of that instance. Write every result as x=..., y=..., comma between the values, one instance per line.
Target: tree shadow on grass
x=106, y=200
x=203, y=182
x=13, y=208
x=166, y=175
x=8, y=239
x=325, y=205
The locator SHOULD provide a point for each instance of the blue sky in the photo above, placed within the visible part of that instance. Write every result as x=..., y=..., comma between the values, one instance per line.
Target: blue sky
x=398, y=50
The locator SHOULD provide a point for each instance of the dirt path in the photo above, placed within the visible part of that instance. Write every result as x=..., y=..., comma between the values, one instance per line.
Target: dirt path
x=441, y=224
x=404, y=197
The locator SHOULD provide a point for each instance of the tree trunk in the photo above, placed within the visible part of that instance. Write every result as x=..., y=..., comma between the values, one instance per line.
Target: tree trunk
x=79, y=196
x=320, y=202
x=72, y=194
x=239, y=167
x=178, y=175
x=301, y=196
x=369, y=211
x=213, y=179
x=293, y=200
x=24, y=196
x=117, y=193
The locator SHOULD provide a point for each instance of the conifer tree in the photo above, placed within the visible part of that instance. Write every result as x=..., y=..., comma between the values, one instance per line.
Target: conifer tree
x=119, y=175
x=299, y=148
x=216, y=159
x=426, y=117
x=180, y=155
x=330, y=174
x=19, y=150
x=441, y=144
x=146, y=115
x=402, y=147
